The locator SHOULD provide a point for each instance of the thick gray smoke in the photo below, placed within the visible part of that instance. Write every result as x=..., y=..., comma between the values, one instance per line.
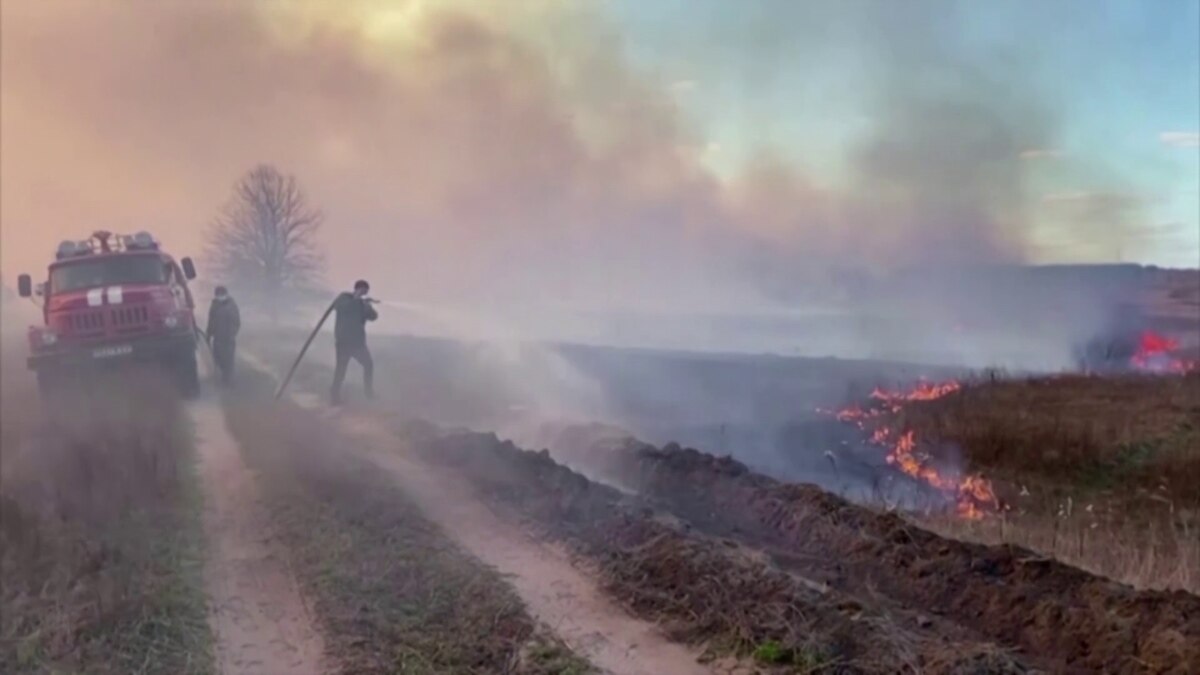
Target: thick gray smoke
x=514, y=162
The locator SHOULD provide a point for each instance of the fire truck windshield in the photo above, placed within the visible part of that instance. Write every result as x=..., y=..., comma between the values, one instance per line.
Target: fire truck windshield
x=108, y=271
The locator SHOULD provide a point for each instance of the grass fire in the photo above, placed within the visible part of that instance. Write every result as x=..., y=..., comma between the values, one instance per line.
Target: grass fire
x=1155, y=354
x=972, y=496
x=534, y=337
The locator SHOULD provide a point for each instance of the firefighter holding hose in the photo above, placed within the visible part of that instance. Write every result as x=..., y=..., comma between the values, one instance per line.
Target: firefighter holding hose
x=353, y=310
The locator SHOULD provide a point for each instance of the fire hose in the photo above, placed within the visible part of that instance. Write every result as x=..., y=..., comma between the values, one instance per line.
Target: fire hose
x=311, y=336
x=202, y=336
x=206, y=349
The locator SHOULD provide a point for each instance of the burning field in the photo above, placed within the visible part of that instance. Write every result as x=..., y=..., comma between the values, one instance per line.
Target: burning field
x=887, y=422
x=972, y=495
x=718, y=592
x=1156, y=354
x=706, y=338
x=1097, y=471
x=754, y=568
x=1018, y=525
x=1078, y=621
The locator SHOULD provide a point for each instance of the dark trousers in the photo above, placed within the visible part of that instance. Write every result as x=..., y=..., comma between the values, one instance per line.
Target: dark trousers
x=359, y=353
x=223, y=349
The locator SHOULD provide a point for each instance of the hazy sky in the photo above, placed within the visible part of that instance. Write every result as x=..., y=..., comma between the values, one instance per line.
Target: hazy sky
x=1122, y=76
x=651, y=153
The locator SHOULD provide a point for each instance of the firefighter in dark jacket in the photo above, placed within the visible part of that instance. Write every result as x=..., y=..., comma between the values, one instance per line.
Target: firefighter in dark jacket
x=354, y=310
x=224, y=321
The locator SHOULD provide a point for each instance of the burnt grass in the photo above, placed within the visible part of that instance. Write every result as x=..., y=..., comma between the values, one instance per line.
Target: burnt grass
x=1079, y=622
x=101, y=547
x=701, y=590
x=390, y=591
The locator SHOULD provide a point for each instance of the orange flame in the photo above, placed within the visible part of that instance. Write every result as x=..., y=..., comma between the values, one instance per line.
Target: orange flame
x=973, y=494
x=1154, y=355
x=924, y=391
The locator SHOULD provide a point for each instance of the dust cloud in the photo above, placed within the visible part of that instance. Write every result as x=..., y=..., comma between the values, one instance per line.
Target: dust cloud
x=515, y=162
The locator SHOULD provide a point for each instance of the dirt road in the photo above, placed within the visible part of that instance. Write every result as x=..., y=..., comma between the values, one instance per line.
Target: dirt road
x=555, y=591
x=257, y=615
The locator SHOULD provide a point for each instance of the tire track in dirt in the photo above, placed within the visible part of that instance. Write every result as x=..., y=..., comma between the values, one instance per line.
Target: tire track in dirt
x=256, y=612
x=555, y=592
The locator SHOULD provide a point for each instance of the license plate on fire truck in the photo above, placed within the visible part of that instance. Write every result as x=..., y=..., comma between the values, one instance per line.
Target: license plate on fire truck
x=109, y=352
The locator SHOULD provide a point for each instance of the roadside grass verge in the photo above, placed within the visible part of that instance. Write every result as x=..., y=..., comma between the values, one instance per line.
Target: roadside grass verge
x=391, y=592
x=1100, y=472
x=100, y=540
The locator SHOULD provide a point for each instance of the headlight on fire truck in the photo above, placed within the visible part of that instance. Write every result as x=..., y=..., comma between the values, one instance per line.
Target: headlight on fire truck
x=49, y=338
x=171, y=321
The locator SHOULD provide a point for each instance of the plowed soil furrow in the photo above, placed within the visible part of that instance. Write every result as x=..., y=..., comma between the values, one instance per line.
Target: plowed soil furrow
x=257, y=614
x=1081, y=622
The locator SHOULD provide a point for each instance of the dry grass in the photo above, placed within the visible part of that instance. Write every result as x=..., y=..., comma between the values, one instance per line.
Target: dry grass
x=1176, y=294
x=99, y=548
x=1142, y=552
x=1105, y=434
x=1101, y=472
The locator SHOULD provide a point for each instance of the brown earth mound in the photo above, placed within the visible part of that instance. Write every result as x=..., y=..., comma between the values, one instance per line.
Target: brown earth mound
x=1083, y=622
x=701, y=589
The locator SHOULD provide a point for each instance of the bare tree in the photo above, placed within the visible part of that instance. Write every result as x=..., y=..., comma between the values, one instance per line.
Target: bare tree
x=265, y=238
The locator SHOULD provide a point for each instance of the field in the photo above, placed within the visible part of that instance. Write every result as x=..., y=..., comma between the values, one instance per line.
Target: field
x=520, y=509
x=1099, y=472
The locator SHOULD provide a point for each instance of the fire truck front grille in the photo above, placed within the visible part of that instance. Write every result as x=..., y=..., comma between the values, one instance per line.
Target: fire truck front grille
x=130, y=317
x=87, y=323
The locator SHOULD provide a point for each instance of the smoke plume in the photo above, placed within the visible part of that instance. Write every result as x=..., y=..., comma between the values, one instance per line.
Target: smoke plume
x=463, y=152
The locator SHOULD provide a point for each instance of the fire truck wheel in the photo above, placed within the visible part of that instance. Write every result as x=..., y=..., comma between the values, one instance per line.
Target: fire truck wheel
x=189, y=376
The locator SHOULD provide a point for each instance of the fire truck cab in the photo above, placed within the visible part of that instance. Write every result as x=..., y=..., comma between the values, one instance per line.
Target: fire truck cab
x=111, y=300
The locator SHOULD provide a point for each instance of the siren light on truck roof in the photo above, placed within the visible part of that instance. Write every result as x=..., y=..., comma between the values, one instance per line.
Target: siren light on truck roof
x=99, y=243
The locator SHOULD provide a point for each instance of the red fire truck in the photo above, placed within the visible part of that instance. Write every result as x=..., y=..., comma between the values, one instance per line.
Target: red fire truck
x=109, y=301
